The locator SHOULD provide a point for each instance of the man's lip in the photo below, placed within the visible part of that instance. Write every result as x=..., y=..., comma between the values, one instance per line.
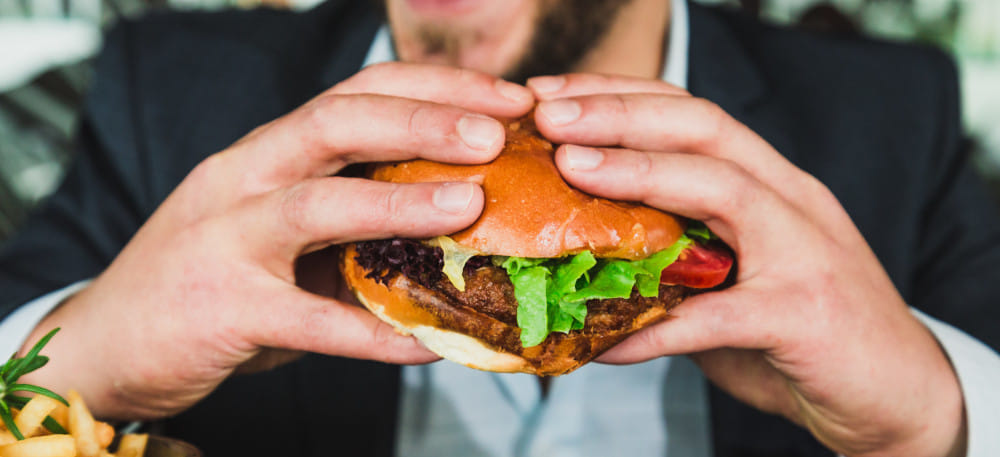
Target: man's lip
x=443, y=7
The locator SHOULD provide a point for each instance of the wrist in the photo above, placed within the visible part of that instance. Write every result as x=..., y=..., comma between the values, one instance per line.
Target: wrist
x=943, y=431
x=74, y=361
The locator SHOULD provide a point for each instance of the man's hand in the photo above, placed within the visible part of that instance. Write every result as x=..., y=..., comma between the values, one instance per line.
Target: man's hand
x=208, y=285
x=813, y=329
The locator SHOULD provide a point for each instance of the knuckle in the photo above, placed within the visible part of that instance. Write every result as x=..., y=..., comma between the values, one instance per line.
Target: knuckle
x=620, y=105
x=575, y=79
x=651, y=340
x=392, y=203
x=594, y=79
x=712, y=122
x=819, y=192
x=297, y=207
x=320, y=126
x=642, y=170
x=620, y=109
x=388, y=71
x=381, y=68
x=471, y=78
x=382, y=335
x=207, y=170
x=317, y=116
x=466, y=76
x=739, y=188
x=370, y=76
x=315, y=322
x=419, y=121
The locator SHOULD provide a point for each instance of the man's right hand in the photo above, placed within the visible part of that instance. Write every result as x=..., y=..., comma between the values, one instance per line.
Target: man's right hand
x=208, y=285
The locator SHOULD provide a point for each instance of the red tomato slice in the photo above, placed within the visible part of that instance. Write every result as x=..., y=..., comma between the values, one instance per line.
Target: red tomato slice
x=700, y=267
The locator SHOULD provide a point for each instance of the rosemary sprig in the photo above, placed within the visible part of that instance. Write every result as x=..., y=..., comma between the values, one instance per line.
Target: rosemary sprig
x=11, y=371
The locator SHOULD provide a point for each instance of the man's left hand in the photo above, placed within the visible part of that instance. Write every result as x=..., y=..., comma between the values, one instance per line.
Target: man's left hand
x=813, y=329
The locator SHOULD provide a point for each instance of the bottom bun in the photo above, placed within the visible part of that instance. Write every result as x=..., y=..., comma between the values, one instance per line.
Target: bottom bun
x=454, y=346
x=477, y=340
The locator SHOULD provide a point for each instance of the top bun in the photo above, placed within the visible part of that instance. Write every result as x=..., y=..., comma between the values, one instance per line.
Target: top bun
x=530, y=211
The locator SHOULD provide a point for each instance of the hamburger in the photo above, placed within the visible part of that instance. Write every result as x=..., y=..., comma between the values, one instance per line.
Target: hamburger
x=545, y=280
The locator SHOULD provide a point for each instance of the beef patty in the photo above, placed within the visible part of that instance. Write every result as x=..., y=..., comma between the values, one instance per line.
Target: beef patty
x=487, y=309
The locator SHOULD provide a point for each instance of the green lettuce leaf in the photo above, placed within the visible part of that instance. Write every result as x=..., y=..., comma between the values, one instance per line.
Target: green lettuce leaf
x=532, y=306
x=539, y=285
x=615, y=279
x=514, y=265
x=649, y=285
x=552, y=294
x=698, y=229
x=569, y=315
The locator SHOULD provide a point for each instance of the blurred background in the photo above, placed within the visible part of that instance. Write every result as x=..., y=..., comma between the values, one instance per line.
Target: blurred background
x=46, y=47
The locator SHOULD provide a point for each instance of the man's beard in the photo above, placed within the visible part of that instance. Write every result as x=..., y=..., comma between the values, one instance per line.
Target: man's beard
x=565, y=31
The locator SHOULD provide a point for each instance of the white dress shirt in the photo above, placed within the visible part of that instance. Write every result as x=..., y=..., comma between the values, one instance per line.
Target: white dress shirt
x=655, y=408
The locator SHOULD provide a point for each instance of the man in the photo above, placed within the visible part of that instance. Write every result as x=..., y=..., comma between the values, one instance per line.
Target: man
x=192, y=287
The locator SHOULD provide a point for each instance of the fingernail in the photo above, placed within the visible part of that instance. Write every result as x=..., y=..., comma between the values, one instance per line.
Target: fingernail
x=582, y=158
x=454, y=197
x=560, y=112
x=513, y=92
x=478, y=131
x=546, y=84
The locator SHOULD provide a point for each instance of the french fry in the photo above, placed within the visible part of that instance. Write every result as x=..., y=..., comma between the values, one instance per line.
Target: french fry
x=6, y=437
x=81, y=426
x=61, y=415
x=41, y=446
x=132, y=445
x=29, y=420
x=105, y=433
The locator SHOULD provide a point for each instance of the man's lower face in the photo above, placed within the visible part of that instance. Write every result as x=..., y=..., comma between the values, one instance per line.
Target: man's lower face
x=516, y=39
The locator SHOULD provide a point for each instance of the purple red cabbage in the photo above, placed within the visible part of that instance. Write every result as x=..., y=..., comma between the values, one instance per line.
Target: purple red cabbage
x=384, y=259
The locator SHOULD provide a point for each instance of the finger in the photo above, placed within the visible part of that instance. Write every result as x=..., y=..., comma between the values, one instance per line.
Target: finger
x=577, y=84
x=469, y=89
x=734, y=204
x=324, y=211
x=684, y=124
x=300, y=321
x=700, y=323
x=330, y=132
x=660, y=123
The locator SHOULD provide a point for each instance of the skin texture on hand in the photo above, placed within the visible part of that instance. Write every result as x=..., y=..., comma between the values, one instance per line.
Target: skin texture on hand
x=813, y=329
x=208, y=285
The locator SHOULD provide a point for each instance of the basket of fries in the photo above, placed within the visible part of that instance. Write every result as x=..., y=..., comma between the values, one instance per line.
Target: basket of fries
x=48, y=425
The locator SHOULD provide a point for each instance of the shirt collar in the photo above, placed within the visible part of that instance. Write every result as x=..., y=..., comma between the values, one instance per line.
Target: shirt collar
x=675, y=63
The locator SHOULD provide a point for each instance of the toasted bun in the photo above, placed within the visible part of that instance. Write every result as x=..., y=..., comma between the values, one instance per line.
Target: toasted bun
x=530, y=211
x=478, y=341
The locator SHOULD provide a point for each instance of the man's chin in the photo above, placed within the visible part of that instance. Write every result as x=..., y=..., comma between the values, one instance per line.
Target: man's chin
x=515, y=39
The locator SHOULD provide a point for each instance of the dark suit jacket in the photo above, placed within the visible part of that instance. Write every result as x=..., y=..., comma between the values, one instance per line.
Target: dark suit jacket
x=878, y=123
